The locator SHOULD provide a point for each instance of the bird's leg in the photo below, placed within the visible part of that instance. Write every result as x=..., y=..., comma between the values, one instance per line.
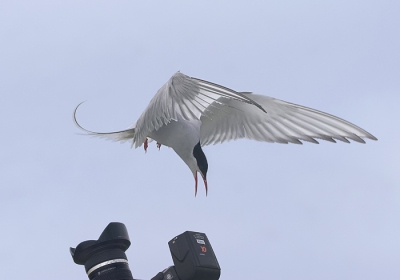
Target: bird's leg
x=158, y=145
x=146, y=144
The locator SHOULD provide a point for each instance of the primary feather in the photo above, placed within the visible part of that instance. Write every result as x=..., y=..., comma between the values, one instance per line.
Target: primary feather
x=283, y=123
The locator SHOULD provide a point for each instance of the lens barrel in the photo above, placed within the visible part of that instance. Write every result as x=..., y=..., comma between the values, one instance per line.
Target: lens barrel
x=105, y=258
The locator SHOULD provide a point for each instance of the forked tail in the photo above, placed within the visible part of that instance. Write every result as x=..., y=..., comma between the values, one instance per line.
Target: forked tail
x=123, y=135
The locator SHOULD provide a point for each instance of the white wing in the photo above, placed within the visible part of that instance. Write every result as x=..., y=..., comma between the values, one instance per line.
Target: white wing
x=283, y=122
x=189, y=97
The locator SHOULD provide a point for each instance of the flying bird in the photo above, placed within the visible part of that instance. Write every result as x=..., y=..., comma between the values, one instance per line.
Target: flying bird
x=187, y=113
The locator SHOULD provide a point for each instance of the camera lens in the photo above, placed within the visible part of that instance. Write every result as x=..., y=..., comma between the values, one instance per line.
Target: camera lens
x=108, y=262
x=105, y=258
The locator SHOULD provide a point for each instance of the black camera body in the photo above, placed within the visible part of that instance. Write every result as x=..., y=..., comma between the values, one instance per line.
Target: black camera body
x=105, y=258
x=194, y=257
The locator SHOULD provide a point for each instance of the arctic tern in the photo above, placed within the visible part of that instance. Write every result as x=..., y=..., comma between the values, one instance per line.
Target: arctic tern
x=187, y=113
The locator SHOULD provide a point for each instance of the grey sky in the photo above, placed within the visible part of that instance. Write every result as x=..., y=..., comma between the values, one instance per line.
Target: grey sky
x=328, y=211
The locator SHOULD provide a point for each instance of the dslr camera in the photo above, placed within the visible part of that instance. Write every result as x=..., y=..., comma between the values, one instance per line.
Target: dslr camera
x=105, y=258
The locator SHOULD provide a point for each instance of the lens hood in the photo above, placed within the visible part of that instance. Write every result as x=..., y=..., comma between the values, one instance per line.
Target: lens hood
x=105, y=255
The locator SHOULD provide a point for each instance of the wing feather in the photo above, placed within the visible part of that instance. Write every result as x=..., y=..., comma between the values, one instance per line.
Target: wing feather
x=280, y=122
x=188, y=97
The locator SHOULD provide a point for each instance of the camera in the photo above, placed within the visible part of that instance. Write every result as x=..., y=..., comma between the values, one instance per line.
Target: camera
x=105, y=258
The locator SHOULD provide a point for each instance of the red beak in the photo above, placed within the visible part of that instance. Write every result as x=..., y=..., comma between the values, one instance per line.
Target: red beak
x=205, y=184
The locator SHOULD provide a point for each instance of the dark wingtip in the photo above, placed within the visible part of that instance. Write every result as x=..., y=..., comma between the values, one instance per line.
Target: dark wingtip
x=372, y=137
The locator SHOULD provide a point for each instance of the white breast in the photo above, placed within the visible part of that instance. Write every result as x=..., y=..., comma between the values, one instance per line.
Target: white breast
x=181, y=135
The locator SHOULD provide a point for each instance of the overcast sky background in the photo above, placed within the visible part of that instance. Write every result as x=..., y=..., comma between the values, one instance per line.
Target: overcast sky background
x=328, y=211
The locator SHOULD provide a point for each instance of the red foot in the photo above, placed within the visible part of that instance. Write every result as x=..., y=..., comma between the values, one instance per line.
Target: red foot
x=158, y=145
x=146, y=144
